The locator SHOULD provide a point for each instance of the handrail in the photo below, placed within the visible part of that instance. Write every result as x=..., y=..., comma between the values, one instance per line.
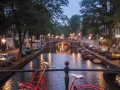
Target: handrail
x=108, y=70
x=66, y=70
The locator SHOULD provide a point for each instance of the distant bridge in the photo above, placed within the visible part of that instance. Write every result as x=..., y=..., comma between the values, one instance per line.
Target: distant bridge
x=55, y=43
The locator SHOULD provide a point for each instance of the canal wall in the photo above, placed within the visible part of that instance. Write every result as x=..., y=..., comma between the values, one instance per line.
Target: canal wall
x=19, y=64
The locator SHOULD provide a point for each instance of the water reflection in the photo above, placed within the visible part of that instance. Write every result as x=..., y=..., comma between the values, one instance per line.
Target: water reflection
x=8, y=85
x=55, y=80
x=88, y=63
x=31, y=65
x=49, y=58
x=62, y=47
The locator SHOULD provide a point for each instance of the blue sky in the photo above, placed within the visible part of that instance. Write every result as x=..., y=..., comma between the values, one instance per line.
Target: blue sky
x=73, y=8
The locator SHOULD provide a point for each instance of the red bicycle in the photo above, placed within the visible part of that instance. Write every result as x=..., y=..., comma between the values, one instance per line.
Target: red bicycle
x=73, y=86
x=38, y=80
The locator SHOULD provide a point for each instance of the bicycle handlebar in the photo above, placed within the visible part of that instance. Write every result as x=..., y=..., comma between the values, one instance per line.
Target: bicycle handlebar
x=47, y=64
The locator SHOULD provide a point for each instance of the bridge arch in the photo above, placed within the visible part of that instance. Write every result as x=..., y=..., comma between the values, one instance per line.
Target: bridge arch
x=52, y=44
x=63, y=42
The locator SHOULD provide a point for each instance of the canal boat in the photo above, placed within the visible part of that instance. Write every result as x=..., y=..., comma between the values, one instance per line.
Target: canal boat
x=96, y=60
x=80, y=49
x=117, y=79
x=86, y=54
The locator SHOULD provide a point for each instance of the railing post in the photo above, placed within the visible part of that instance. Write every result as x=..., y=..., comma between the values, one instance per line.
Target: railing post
x=66, y=70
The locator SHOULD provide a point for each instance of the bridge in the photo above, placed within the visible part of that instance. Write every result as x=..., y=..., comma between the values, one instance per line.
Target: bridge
x=56, y=43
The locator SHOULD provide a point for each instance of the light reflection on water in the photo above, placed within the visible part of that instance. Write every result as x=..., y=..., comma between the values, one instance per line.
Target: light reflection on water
x=8, y=85
x=55, y=80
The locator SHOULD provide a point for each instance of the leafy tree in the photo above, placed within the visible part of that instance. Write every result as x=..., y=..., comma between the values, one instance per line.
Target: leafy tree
x=35, y=16
x=97, y=14
x=74, y=23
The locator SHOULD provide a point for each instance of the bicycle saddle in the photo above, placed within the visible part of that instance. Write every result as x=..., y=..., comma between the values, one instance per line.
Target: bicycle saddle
x=77, y=76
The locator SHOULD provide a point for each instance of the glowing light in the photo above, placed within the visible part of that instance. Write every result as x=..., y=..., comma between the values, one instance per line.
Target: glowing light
x=48, y=34
x=8, y=85
x=3, y=40
x=101, y=38
x=49, y=58
x=89, y=38
x=31, y=65
x=41, y=57
x=88, y=63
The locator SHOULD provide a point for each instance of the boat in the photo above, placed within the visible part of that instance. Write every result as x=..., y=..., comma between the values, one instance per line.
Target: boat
x=86, y=54
x=80, y=49
x=117, y=79
x=97, y=61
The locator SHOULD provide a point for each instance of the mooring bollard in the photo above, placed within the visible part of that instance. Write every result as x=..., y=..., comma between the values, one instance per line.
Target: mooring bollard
x=66, y=70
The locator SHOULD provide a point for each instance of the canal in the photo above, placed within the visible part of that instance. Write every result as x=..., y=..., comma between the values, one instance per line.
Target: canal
x=55, y=80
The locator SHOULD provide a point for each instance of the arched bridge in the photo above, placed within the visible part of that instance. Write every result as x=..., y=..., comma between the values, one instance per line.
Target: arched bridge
x=55, y=43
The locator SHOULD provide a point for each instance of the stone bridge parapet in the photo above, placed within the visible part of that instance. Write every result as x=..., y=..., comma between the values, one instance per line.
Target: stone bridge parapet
x=52, y=44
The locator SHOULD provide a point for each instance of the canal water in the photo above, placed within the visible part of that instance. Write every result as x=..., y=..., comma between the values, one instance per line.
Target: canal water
x=55, y=79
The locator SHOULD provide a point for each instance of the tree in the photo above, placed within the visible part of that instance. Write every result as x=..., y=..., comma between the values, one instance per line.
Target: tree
x=97, y=14
x=74, y=23
x=35, y=16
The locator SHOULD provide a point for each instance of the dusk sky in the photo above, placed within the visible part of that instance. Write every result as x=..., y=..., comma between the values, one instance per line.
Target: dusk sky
x=73, y=8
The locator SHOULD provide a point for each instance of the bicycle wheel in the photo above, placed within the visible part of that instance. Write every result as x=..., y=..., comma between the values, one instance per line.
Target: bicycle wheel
x=88, y=87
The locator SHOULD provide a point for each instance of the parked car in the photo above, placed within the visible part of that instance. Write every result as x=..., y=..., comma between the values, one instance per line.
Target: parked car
x=95, y=48
x=79, y=49
x=27, y=50
x=113, y=55
x=103, y=50
x=90, y=46
x=86, y=44
x=5, y=59
x=38, y=46
x=24, y=53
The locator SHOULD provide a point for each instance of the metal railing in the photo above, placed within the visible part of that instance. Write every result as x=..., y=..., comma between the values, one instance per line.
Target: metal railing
x=66, y=70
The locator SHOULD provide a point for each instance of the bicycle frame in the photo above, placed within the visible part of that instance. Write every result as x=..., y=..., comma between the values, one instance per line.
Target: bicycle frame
x=40, y=85
x=73, y=86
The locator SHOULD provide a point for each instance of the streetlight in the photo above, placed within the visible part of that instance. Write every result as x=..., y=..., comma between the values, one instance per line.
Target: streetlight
x=101, y=38
x=3, y=43
x=79, y=37
x=101, y=41
x=89, y=39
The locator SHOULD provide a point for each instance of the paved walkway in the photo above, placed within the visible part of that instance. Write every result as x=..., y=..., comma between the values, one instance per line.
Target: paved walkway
x=13, y=52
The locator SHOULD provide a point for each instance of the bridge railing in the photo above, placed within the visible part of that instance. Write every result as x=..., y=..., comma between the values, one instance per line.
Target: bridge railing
x=66, y=70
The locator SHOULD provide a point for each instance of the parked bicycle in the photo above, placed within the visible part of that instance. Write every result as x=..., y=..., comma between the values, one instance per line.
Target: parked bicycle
x=38, y=80
x=73, y=86
x=41, y=84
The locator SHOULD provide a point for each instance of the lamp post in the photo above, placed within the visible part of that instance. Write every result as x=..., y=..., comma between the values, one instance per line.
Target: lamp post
x=3, y=43
x=89, y=39
x=101, y=40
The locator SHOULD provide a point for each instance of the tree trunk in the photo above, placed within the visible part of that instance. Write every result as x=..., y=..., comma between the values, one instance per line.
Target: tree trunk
x=31, y=42
x=20, y=41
